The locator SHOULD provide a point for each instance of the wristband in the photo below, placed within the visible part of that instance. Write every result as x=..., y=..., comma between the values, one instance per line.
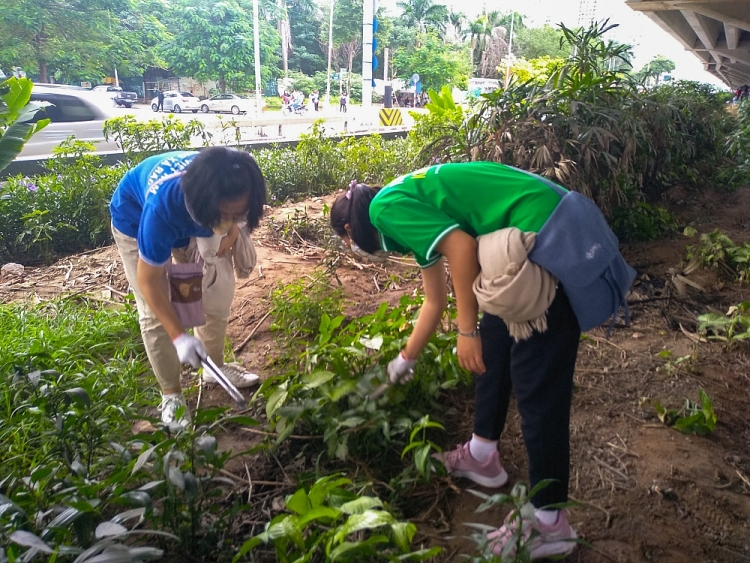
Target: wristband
x=472, y=334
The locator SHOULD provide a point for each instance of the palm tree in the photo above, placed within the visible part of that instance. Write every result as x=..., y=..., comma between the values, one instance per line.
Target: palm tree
x=481, y=31
x=453, y=29
x=423, y=14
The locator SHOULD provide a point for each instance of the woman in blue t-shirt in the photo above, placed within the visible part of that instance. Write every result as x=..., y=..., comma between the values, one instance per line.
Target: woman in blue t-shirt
x=159, y=207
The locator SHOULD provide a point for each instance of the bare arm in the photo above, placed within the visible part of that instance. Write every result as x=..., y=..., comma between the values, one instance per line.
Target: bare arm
x=436, y=299
x=460, y=248
x=151, y=283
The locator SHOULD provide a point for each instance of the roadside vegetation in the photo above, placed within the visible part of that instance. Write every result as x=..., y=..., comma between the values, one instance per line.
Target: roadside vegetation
x=79, y=485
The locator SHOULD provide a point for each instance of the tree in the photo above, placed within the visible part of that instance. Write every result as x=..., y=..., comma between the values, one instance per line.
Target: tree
x=488, y=43
x=535, y=42
x=436, y=63
x=347, y=35
x=214, y=41
x=655, y=69
x=78, y=39
x=540, y=69
x=306, y=54
x=423, y=14
x=455, y=30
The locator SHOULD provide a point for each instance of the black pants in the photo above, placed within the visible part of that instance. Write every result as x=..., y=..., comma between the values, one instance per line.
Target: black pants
x=540, y=370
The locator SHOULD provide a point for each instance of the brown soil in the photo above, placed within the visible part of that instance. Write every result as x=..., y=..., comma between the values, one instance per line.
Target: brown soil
x=645, y=492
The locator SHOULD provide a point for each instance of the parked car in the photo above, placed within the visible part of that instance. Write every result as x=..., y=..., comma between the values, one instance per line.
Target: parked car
x=233, y=103
x=118, y=96
x=73, y=111
x=177, y=102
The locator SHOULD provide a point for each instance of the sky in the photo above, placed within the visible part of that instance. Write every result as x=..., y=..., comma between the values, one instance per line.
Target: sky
x=635, y=28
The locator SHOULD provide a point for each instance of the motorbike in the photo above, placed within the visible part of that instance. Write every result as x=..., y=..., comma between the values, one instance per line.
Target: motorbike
x=289, y=109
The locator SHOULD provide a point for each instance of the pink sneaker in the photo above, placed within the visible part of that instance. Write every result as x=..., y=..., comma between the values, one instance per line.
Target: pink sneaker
x=460, y=463
x=546, y=541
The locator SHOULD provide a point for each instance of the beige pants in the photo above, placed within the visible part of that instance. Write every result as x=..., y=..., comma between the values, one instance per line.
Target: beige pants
x=218, y=291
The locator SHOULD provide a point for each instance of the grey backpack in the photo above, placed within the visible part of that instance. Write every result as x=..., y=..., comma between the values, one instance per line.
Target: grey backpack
x=577, y=246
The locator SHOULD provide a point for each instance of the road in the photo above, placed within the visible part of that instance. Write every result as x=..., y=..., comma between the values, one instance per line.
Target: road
x=269, y=126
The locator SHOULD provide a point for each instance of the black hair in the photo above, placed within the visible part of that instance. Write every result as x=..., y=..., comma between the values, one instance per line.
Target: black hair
x=220, y=174
x=353, y=208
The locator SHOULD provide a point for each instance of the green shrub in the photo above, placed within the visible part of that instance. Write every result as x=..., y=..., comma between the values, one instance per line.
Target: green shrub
x=138, y=140
x=642, y=221
x=60, y=213
x=591, y=129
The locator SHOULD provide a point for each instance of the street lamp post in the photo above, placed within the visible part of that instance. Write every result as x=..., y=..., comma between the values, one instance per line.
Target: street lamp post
x=330, y=54
x=256, y=49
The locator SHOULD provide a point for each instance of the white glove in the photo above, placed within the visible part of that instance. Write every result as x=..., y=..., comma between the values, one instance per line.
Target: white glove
x=401, y=370
x=190, y=350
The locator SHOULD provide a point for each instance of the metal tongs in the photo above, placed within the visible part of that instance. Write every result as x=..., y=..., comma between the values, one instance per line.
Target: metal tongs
x=209, y=365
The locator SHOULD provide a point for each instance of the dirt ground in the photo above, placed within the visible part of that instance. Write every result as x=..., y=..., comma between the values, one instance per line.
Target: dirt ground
x=644, y=492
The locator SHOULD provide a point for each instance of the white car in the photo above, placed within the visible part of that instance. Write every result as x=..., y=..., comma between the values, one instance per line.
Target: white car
x=73, y=111
x=233, y=103
x=177, y=102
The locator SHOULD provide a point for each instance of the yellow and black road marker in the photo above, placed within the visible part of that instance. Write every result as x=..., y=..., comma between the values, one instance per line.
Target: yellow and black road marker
x=390, y=117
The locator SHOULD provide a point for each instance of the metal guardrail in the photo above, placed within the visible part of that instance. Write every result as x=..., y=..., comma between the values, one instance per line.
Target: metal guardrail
x=34, y=166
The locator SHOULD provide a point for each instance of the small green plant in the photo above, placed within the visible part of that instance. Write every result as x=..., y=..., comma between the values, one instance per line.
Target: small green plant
x=735, y=325
x=519, y=520
x=673, y=366
x=298, y=308
x=334, y=520
x=718, y=252
x=642, y=221
x=692, y=418
x=421, y=448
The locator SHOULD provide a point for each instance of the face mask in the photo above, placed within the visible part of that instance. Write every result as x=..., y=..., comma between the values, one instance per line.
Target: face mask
x=223, y=228
x=378, y=256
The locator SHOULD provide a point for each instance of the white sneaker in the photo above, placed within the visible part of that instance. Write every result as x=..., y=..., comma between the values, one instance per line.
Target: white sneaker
x=236, y=374
x=169, y=406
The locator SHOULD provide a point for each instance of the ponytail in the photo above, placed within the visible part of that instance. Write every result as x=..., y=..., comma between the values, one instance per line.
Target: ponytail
x=353, y=208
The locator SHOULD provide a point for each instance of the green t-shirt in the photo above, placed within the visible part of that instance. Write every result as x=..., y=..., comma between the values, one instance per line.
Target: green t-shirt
x=414, y=212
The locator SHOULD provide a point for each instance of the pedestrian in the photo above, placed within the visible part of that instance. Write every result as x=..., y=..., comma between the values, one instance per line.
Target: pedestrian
x=442, y=211
x=160, y=100
x=160, y=209
x=315, y=99
x=342, y=102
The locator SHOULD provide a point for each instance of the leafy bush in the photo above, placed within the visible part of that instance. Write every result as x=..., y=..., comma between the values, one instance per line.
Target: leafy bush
x=642, y=221
x=329, y=393
x=138, y=140
x=333, y=520
x=320, y=165
x=735, y=325
x=716, y=251
x=590, y=129
x=60, y=213
x=75, y=480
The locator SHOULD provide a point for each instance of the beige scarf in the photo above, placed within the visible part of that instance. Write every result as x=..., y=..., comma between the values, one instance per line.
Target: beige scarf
x=511, y=286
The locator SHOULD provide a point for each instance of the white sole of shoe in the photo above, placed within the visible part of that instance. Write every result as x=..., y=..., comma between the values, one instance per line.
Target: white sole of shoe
x=559, y=547
x=493, y=482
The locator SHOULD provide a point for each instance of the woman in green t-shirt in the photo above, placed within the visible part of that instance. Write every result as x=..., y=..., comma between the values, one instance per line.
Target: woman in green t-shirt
x=441, y=211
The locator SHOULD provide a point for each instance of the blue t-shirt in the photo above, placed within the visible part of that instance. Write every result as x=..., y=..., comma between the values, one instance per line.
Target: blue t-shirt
x=149, y=206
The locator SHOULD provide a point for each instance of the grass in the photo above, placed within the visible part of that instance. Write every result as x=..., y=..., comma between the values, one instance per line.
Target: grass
x=58, y=351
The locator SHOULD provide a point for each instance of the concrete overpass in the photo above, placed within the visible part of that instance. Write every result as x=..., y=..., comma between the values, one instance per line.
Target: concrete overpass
x=716, y=31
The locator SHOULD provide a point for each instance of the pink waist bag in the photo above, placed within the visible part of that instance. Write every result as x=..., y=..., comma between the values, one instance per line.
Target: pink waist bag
x=186, y=292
